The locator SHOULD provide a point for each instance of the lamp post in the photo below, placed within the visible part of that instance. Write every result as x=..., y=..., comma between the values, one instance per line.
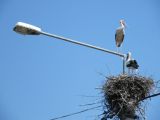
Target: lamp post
x=27, y=29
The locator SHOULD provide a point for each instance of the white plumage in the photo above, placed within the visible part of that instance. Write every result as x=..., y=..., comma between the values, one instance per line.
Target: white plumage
x=119, y=35
x=131, y=64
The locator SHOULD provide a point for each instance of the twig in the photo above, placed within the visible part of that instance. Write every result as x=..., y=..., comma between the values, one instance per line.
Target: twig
x=142, y=112
x=76, y=113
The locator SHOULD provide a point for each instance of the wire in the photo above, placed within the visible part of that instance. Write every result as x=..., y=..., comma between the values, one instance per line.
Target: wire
x=75, y=113
x=154, y=95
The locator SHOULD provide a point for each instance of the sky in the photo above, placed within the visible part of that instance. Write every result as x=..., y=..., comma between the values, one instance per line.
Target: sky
x=42, y=77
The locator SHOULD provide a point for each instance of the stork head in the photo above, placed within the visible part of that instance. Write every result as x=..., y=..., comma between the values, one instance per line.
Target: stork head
x=128, y=56
x=122, y=22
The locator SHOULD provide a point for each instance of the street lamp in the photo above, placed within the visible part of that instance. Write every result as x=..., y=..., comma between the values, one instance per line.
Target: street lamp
x=27, y=29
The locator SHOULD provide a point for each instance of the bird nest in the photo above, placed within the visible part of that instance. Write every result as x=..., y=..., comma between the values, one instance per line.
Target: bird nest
x=122, y=95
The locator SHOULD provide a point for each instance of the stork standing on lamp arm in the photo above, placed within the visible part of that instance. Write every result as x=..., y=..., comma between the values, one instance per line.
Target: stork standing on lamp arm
x=119, y=35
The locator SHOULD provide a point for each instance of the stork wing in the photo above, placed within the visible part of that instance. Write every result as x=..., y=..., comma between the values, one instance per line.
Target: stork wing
x=119, y=36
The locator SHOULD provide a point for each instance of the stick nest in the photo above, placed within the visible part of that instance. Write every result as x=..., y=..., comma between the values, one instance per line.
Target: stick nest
x=122, y=95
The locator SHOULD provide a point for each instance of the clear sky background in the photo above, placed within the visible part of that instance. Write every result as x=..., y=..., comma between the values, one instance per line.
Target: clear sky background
x=42, y=78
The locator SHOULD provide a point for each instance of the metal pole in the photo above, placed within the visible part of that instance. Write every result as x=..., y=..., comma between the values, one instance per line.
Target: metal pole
x=86, y=45
x=124, y=65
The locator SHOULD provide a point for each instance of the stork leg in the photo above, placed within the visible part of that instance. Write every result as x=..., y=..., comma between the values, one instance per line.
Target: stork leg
x=117, y=49
x=129, y=71
x=136, y=71
x=132, y=71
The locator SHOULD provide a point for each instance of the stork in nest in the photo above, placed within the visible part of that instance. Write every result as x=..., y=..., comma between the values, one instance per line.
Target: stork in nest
x=131, y=64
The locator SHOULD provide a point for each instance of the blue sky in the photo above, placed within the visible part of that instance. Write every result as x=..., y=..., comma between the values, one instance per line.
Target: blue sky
x=42, y=78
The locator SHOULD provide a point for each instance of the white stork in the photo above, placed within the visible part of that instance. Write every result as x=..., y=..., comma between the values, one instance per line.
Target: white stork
x=119, y=35
x=131, y=64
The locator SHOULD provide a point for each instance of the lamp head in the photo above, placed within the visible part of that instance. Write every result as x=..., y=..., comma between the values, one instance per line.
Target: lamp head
x=26, y=29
